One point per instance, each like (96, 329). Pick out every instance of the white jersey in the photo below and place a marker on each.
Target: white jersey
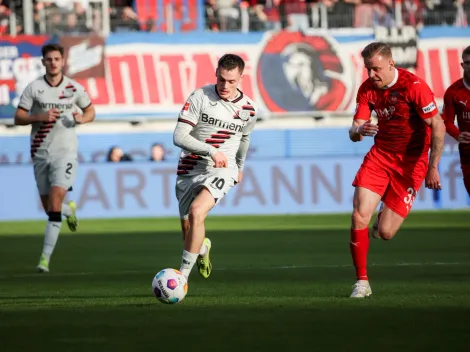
(218, 122)
(50, 140)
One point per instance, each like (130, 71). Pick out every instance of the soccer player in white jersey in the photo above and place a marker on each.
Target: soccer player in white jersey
(213, 131)
(49, 104)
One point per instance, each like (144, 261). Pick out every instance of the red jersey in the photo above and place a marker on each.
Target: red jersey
(457, 103)
(401, 109)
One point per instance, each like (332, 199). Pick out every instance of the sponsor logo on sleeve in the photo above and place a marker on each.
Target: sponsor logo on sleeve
(186, 107)
(428, 108)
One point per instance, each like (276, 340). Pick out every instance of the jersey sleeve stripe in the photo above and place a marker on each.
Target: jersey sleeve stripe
(22, 108)
(186, 121)
(86, 107)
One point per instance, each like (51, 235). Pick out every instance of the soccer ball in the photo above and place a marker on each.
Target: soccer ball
(169, 286)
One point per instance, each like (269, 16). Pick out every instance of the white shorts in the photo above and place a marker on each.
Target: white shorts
(59, 172)
(217, 181)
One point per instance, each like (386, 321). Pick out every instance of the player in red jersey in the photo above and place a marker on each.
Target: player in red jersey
(457, 102)
(409, 125)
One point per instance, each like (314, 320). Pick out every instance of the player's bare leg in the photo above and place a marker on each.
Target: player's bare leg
(364, 204)
(374, 231)
(185, 228)
(195, 237)
(54, 207)
(389, 223)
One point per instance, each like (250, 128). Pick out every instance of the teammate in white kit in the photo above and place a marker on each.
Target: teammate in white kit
(49, 104)
(213, 131)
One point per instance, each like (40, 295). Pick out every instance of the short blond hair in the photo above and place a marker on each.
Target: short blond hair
(375, 48)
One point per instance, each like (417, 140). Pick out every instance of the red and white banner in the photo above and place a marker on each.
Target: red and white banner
(285, 72)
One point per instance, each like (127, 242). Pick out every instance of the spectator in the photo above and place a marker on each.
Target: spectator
(412, 13)
(73, 27)
(127, 21)
(384, 13)
(212, 15)
(115, 155)
(229, 15)
(4, 13)
(157, 152)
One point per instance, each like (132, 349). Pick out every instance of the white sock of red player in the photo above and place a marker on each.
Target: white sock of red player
(187, 262)
(50, 238)
(66, 210)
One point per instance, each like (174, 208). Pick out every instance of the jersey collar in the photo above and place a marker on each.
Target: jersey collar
(49, 83)
(395, 79)
(237, 99)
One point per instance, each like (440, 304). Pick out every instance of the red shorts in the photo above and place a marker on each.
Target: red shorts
(466, 176)
(396, 178)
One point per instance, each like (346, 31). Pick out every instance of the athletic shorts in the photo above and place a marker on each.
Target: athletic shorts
(217, 181)
(466, 176)
(59, 172)
(396, 178)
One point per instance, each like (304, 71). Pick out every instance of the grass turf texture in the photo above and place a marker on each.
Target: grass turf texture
(279, 284)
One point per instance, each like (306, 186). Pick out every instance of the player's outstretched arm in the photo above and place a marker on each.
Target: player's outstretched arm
(438, 132)
(362, 128)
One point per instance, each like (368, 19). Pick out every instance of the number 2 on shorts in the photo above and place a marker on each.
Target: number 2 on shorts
(68, 169)
(218, 183)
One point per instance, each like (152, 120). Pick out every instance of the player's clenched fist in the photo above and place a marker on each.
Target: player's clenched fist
(51, 116)
(220, 160)
(367, 129)
(78, 117)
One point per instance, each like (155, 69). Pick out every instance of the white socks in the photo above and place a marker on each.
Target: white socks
(50, 238)
(66, 210)
(187, 263)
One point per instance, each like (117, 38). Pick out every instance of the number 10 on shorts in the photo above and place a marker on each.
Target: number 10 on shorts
(218, 183)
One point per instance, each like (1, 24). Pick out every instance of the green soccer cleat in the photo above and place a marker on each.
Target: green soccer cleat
(72, 220)
(43, 266)
(203, 262)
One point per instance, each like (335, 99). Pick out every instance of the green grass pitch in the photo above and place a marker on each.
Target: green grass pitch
(280, 283)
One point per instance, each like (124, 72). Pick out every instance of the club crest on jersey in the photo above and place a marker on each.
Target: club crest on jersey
(300, 72)
(68, 92)
(393, 97)
(243, 115)
(247, 112)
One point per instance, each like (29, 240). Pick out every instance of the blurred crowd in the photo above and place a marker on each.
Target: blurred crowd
(227, 15)
(69, 17)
